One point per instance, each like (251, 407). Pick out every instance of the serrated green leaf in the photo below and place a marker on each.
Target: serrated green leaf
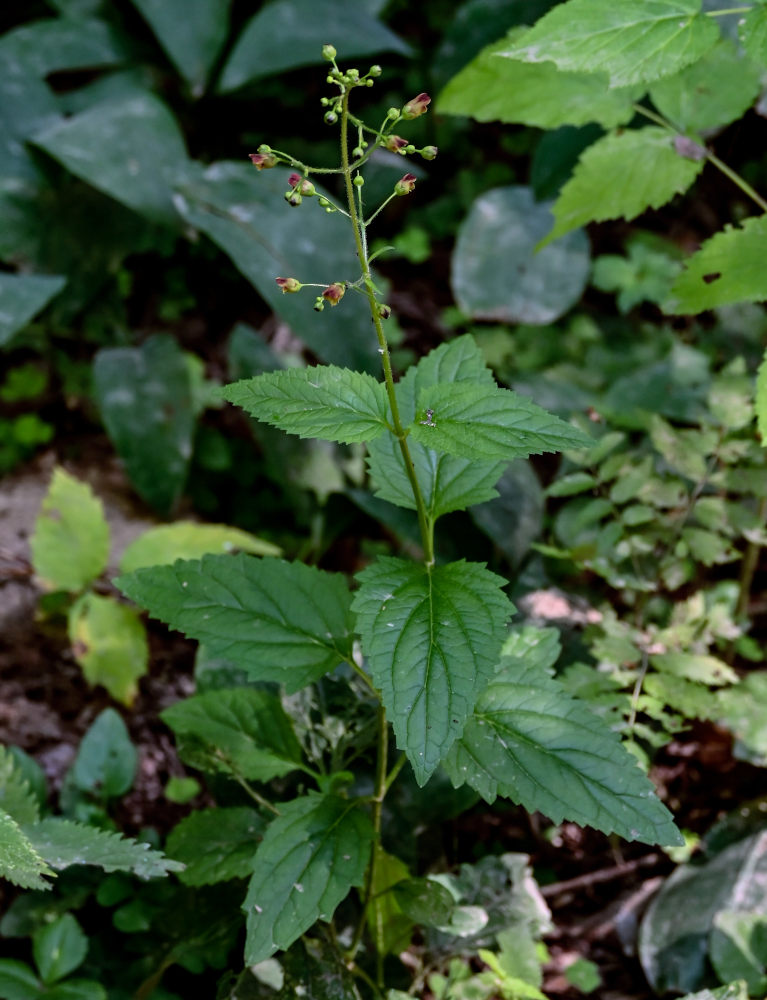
(334, 404)
(488, 422)
(497, 271)
(311, 855)
(447, 483)
(110, 644)
(61, 842)
(146, 402)
(216, 844)
(59, 948)
(22, 296)
(530, 741)
(752, 31)
(16, 797)
(432, 638)
(709, 94)
(192, 35)
(728, 268)
(634, 41)
(280, 621)
(246, 729)
(70, 544)
(131, 148)
(166, 543)
(645, 171)
(20, 862)
(291, 33)
(538, 94)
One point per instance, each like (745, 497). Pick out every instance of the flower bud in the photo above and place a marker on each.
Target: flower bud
(330, 118)
(293, 198)
(405, 184)
(302, 185)
(329, 53)
(416, 107)
(428, 152)
(358, 181)
(392, 113)
(288, 285)
(334, 293)
(262, 161)
(375, 70)
(395, 143)
(384, 311)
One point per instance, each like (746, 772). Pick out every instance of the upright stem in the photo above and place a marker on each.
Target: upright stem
(424, 522)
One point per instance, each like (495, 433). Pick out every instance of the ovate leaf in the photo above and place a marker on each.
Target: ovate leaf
(334, 404)
(634, 41)
(752, 29)
(216, 844)
(496, 271)
(110, 644)
(311, 855)
(389, 927)
(238, 728)
(645, 171)
(447, 483)
(146, 402)
(192, 35)
(491, 88)
(291, 33)
(529, 741)
(188, 540)
(432, 637)
(61, 843)
(18, 981)
(488, 422)
(739, 948)
(20, 862)
(728, 268)
(59, 948)
(70, 544)
(56, 44)
(22, 296)
(280, 621)
(106, 761)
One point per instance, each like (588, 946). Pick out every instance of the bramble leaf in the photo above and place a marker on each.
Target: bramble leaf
(240, 728)
(538, 94)
(530, 741)
(20, 863)
(645, 171)
(432, 637)
(311, 855)
(70, 545)
(61, 842)
(728, 268)
(488, 422)
(327, 402)
(280, 621)
(634, 41)
(447, 483)
(216, 844)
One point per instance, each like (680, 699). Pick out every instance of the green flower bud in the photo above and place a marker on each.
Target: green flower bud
(330, 118)
(329, 53)
(428, 152)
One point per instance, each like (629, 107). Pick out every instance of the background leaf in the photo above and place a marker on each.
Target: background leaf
(727, 268)
(106, 759)
(635, 41)
(290, 33)
(240, 728)
(496, 273)
(55, 44)
(110, 644)
(431, 639)
(192, 35)
(514, 519)
(59, 948)
(645, 171)
(530, 741)
(70, 544)
(311, 855)
(216, 844)
(279, 621)
(22, 296)
(145, 398)
(166, 543)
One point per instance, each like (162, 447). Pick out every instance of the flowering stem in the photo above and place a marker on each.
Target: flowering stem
(424, 522)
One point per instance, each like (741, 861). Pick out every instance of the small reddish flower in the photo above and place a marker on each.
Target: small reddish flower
(395, 143)
(416, 107)
(405, 184)
(289, 284)
(334, 293)
(301, 184)
(262, 161)
(384, 311)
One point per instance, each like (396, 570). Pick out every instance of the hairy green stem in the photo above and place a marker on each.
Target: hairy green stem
(712, 158)
(424, 522)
